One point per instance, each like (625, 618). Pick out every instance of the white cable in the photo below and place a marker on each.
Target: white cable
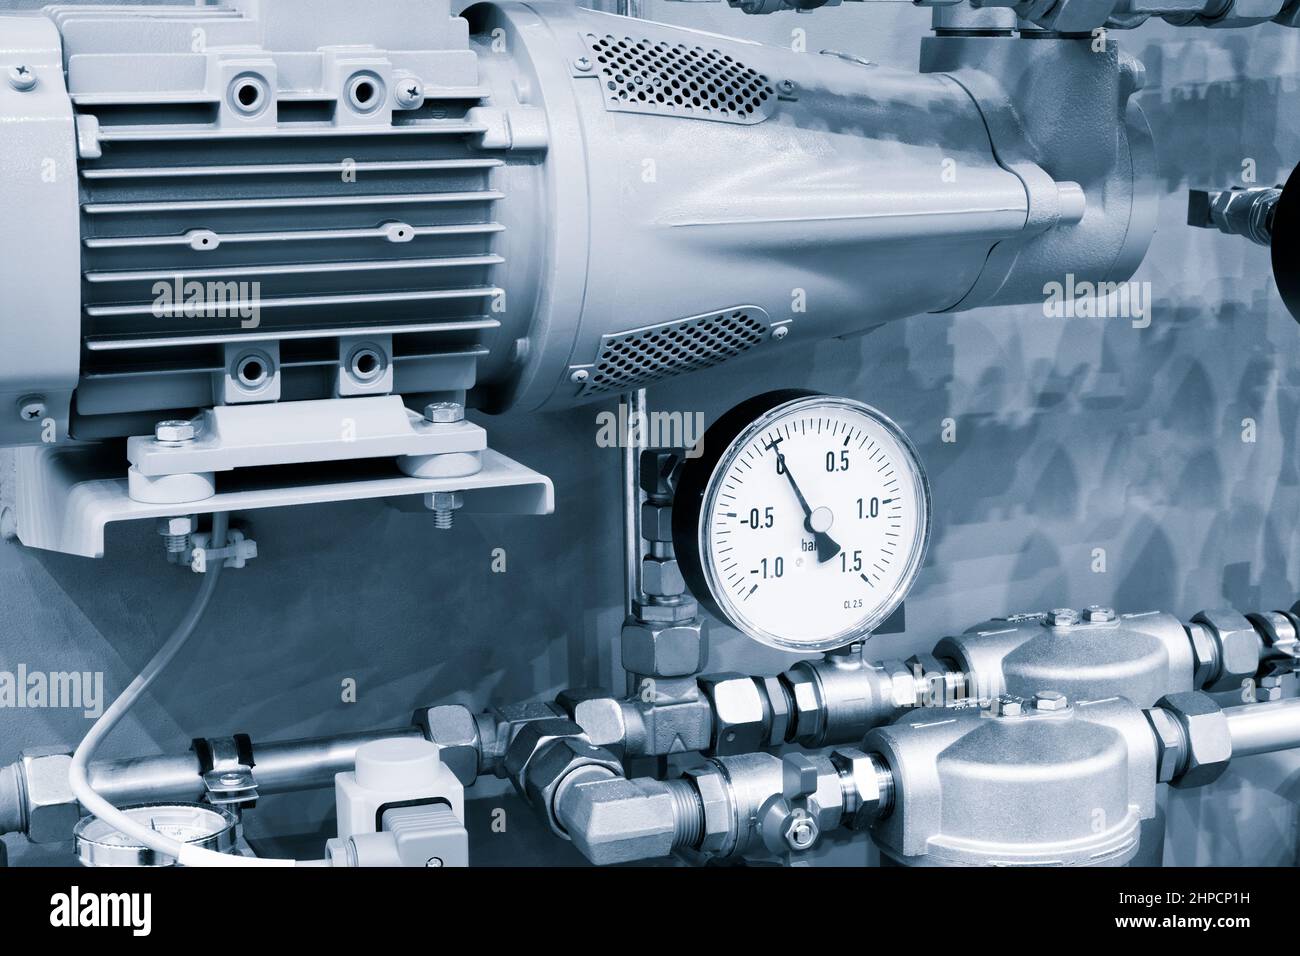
(91, 801)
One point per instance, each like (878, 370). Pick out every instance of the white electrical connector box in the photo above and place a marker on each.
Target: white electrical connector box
(400, 807)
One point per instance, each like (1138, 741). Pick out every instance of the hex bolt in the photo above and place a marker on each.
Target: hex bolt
(32, 409)
(445, 504)
(582, 63)
(444, 413)
(410, 93)
(1062, 617)
(1010, 706)
(1050, 700)
(801, 833)
(174, 432)
(1098, 614)
(176, 534)
(22, 78)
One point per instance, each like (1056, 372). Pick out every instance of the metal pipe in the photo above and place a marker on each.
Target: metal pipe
(633, 442)
(1264, 728)
(281, 767)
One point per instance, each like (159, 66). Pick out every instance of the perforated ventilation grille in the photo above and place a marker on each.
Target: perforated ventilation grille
(644, 76)
(633, 359)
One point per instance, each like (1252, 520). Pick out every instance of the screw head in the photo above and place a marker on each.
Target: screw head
(174, 431)
(32, 409)
(444, 413)
(433, 861)
(1051, 700)
(582, 63)
(21, 77)
(1062, 617)
(780, 332)
(580, 376)
(410, 93)
(1097, 614)
(786, 87)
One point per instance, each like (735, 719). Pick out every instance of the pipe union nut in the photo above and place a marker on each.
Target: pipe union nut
(455, 730)
(1169, 743)
(859, 771)
(529, 741)
(560, 764)
(1238, 647)
(1207, 737)
(52, 810)
(665, 649)
(739, 717)
(719, 827)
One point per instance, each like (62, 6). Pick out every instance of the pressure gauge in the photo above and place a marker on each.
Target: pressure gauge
(99, 843)
(805, 520)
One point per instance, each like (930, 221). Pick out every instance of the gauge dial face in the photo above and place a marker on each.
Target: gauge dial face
(814, 524)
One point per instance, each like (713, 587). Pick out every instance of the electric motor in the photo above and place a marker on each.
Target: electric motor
(530, 204)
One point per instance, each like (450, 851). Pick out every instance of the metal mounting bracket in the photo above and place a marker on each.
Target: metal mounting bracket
(68, 494)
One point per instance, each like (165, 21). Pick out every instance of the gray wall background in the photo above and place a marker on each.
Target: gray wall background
(1072, 435)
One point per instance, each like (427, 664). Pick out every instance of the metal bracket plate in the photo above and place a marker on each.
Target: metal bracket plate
(68, 494)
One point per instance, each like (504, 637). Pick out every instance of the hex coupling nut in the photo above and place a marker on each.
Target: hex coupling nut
(1238, 646)
(1205, 748)
(868, 786)
(741, 722)
(562, 764)
(51, 809)
(455, 730)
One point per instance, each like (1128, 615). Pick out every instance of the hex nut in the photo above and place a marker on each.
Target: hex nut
(1097, 614)
(615, 820)
(1169, 743)
(657, 522)
(455, 730)
(719, 825)
(662, 577)
(1062, 617)
(562, 763)
(1238, 647)
(779, 706)
(1205, 654)
(529, 741)
(52, 810)
(447, 500)
(178, 525)
(1208, 740)
(739, 717)
(809, 709)
(1050, 701)
(444, 413)
(801, 832)
(858, 769)
(665, 650)
(174, 431)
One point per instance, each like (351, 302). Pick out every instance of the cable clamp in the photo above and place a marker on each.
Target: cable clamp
(239, 550)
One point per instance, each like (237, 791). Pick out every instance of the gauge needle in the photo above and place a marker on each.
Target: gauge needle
(826, 546)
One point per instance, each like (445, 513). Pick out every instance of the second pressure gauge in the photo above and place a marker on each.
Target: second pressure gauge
(805, 520)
